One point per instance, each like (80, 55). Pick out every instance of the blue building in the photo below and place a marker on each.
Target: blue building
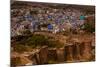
(50, 27)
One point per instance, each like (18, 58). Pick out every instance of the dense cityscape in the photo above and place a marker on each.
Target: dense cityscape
(50, 33)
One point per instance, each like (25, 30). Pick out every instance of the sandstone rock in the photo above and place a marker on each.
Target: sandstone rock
(86, 50)
(52, 54)
(60, 55)
(68, 51)
(43, 55)
(76, 51)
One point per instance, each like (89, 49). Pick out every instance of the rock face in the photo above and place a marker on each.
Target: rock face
(72, 52)
(86, 50)
(60, 55)
(76, 51)
(52, 54)
(43, 55)
(20, 60)
(34, 58)
(68, 52)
